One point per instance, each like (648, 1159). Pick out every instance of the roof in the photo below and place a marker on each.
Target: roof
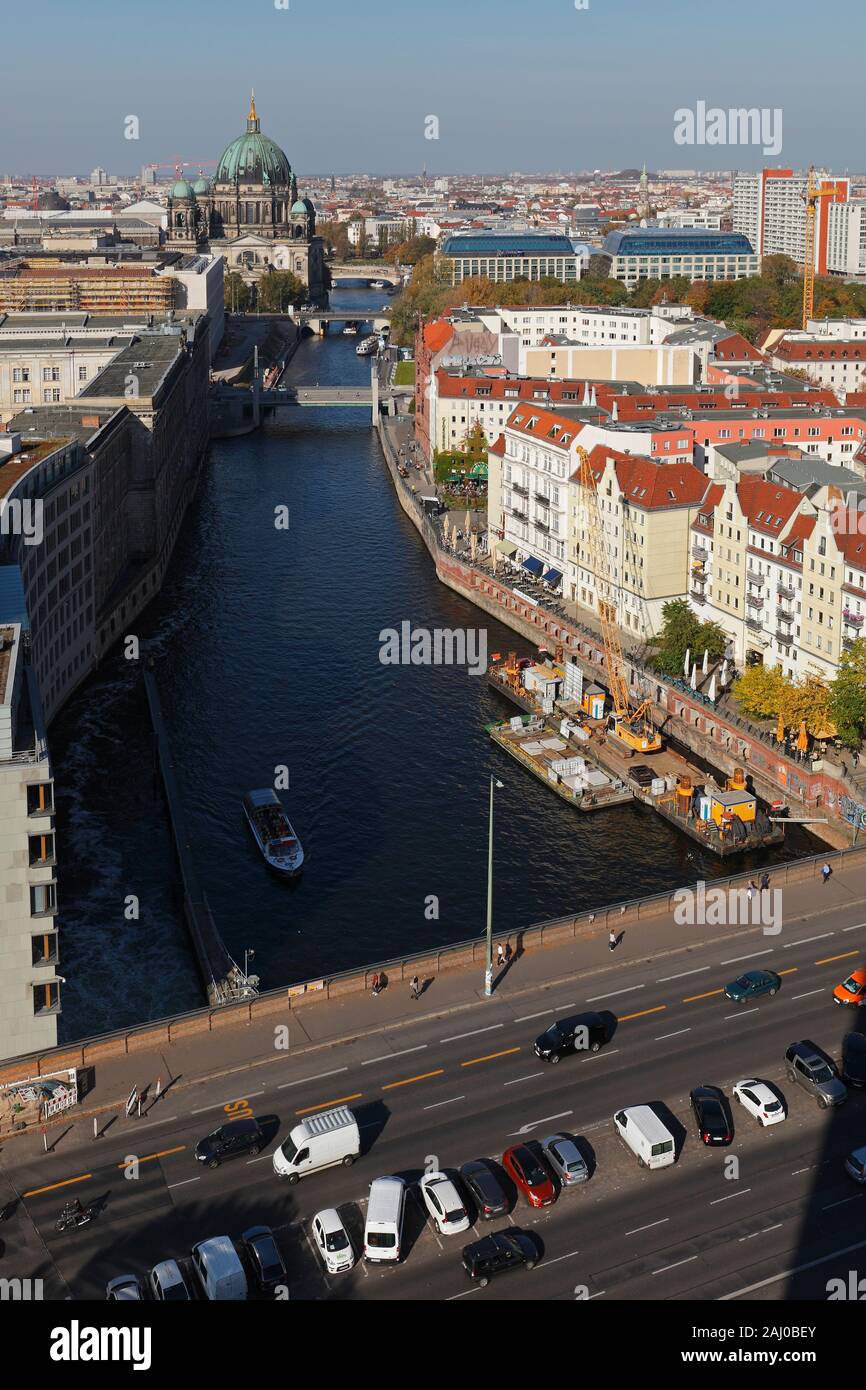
(647, 483)
(556, 429)
(766, 506)
(508, 244)
(825, 350)
(437, 335)
(664, 241)
(148, 360)
(736, 348)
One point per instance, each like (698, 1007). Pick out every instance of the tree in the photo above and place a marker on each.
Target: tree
(848, 695)
(683, 630)
(236, 293)
(809, 700)
(761, 691)
(278, 289)
(336, 237)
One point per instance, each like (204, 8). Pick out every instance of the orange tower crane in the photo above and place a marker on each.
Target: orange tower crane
(810, 198)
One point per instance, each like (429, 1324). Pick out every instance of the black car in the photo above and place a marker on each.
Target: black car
(493, 1254)
(854, 1059)
(263, 1258)
(710, 1110)
(582, 1033)
(231, 1140)
(484, 1188)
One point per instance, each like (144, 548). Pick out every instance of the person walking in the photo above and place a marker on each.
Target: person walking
(750, 891)
(500, 956)
(377, 984)
(765, 882)
(508, 952)
(826, 871)
(611, 939)
(414, 988)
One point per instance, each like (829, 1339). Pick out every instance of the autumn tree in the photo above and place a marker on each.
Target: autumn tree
(761, 691)
(848, 695)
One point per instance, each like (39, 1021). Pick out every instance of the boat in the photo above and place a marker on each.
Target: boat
(378, 284)
(367, 345)
(273, 832)
(351, 328)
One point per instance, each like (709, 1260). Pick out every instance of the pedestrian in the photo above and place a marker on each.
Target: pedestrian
(414, 987)
(826, 871)
(508, 952)
(500, 956)
(751, 889)
(611, 940)
(765, 882)
(377, 984)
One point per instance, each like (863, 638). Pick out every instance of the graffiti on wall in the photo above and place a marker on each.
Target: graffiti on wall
(853, 812)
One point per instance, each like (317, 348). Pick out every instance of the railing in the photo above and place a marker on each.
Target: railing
(542, 498)
(786, 590)
(756, 600)
(852, 619)
(700, 552)
(698, 595)
(785, 638)
(786, 615)
(520, 489)
(755, 578)
(754, 623)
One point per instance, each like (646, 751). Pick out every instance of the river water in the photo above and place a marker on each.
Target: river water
(267, 645)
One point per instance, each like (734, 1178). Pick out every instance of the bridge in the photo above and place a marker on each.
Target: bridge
(239, 409)
(319, 395)
(318, 319)
(356, 270)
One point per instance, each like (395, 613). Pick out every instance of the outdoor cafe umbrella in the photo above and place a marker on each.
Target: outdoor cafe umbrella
(802, 738)
(706, 661)
(694, 679)
(723, 674)
(780, 729)
(687, 662)
(711, 693)
(467, 525)
(445, 531)
(473, 545)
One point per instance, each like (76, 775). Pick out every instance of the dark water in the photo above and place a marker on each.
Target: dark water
(268, 654)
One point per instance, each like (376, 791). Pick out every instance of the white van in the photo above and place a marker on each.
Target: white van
(320, 1141)
(649, 1140)
(219, 1270)
(384, 1230)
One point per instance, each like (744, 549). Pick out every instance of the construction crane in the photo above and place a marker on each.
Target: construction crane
(633, 727)
(810, 198)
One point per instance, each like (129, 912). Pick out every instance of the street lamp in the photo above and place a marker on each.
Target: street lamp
(248, 956)
(488, 970)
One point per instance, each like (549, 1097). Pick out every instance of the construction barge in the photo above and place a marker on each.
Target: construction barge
(568, 742)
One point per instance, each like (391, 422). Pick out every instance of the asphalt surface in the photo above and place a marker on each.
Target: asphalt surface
(446, 1090)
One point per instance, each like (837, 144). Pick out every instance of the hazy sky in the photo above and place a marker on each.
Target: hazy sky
(346, 85)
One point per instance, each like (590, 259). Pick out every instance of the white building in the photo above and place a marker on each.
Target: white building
(691, 217)
(846, 238)
(661, 253)
(769, 209)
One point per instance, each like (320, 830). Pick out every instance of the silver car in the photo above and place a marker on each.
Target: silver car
(812, 1069)
(564, 1160)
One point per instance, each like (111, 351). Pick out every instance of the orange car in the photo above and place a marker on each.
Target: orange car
(852, 990)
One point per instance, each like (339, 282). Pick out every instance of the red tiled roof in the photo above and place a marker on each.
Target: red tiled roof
(498, 447)
(437, 334)
(556, 430)
(766, 506)
(827, 350)
(736, 348)
(647, 483)
(497, 387)
(801, 529)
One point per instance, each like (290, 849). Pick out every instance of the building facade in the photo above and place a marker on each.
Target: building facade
(659, 253)
(504, 256)
(769, 208)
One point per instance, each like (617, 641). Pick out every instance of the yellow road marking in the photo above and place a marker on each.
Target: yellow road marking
(657, 1010)
(844, 956)
(491, 1056)
(52, 1187)
(422, 1076)
(323, 1104)
(709, 994)
(792, 970)
(146, 1158)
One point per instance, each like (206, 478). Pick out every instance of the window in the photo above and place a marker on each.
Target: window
(44, 948)
(46, 998)
(41, 849)
(43, 899)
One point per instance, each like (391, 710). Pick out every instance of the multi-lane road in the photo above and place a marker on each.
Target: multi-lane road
(444, 1090)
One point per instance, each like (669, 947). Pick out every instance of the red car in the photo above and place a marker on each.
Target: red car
(529, 1176)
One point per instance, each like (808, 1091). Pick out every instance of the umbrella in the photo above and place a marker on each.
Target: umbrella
(802, 738)
(467, 525)
(706, 661)
(723, 675)
(780, 729)
(473, 544)
(694, 680)
(712, 690)
(687, 663)
(446, 531)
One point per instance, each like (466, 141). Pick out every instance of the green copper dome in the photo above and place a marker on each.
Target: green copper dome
(300, 206)
(253, 158)
(201, 185)
(181, 189)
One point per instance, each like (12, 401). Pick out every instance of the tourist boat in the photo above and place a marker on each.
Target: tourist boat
(367, 345)
(351, 328)
(273, 832)
(378, 284)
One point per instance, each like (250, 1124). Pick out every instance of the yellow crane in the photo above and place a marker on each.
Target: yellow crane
(811, 198)
(633, 727)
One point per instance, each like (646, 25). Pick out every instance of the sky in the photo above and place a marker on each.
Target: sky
(351, 85)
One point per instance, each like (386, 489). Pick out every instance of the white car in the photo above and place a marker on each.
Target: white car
(760, 1101)
(332, 1241)
(444, 1204)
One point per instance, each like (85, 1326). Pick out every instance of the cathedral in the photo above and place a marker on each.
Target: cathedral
(250, 213)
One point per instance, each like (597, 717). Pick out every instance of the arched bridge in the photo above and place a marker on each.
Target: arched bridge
(357, 270)
(318, 319)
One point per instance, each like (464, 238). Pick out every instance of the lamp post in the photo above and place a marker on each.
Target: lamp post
(488, 970)
(248, 956)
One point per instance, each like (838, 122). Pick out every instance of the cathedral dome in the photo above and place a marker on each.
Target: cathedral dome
(181, 189)
(253, 158)
(201, 186)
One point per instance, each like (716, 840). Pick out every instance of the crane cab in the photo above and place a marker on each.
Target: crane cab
(642, 738)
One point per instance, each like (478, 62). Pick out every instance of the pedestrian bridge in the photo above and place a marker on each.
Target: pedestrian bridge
(356, 270)
(319, 319)
(319, 395)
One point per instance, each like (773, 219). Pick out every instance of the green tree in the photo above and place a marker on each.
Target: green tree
(278, 290)
(236, 293)
(762, 691)
(681, 631)
(848, 695)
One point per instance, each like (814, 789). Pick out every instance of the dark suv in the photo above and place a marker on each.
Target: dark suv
(231, 1140)
(582, 1033)
(812, 1069)
(493, 1254)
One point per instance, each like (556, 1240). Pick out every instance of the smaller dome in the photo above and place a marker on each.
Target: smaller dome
(181, 189)
(300, 206)
(201, 185)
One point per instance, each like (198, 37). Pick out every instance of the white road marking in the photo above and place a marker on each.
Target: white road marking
(371, 1060)
(437, 1104)
(320, 1075)
(259, 1159)
(664, 1269)
(526, 1017)
(221, 1104)
(533, 1124)
(661, 1037)
(732, 960)
(454, 1296)
(530, 1077)
(681, 976)
(475, 1031)
(570, 1256)
(742, 1192)
(764, 1232)
(856, 926)
(804, 940)
(796, 1269)
(601, 1293)
(605, 1052)
(182, 1184)
(807, 994)
(637, 1230)
(741, 1012)
(614, 992)
(844, 1202)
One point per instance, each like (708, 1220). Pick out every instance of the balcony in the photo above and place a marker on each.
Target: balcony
(543, 498)
(699, 577)
(852, 619)
(756, 600)
(847, 643)
(754, 623)
(785, 591)
(785, 615)
(518, 512)
(520, 489)
(541, 524)
(755, 578)
(698, 595)
(785, 639)
(700, 552)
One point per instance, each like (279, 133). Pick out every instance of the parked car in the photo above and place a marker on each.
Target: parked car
(496, 1253)
(333, 1241)
(855, 1165)
(528, 1176)
(236, 1139)
(852, 990)
(126, 1288)
(854, 1059)
(752, 985)
(760, 1101)
(444, 1204)
(708, 1105)
(167, 1284)
(565, 1160)
(484, 1188)
(581, 1033)
(264, 1260)
(219, 1271)
(816, 1073)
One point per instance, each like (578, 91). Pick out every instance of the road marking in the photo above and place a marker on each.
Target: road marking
(807, 994)
(741, 1193)
(796, 1269)
(742, 1012)
(530, 1077)
(664, 1269)
(387, 1058)
(570, 1256)
(629, 989)
(533, 1124)
(791, 970)
(320, 1076)
(661, 1037)
(844, 956)
(659, 1009)
(605, 1051)
(221, 1104)
(437, 1104)
(52, 1187)
(856, 926)
(766, 1230)
(408, 1080)
(473, 1034)
(146, 1158)
(601, 1293)
(664, 978)
(261, 1158)
(709, 994)
(326, 1104)
(805, 940)
(637, 1230)
(844, 1202)
(491, 1057)
(170, 1185)
(526, 1017)
(454, 1296)
(732, 960)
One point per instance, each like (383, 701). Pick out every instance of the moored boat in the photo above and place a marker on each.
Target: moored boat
(273, 832)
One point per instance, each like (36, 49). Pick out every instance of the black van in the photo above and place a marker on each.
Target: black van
(231, 1140)
(582, 1033)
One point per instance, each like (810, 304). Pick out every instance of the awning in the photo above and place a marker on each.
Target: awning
(506, 548)
(532, 565)
(553, 576)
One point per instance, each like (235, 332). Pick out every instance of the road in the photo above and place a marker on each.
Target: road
(448, 1089)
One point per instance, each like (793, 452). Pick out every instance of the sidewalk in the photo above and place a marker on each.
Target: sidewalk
(235, 1047)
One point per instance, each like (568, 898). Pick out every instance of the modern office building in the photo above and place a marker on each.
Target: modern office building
(659, 253)
(769, 209)
(503, 256)
(846, 238)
